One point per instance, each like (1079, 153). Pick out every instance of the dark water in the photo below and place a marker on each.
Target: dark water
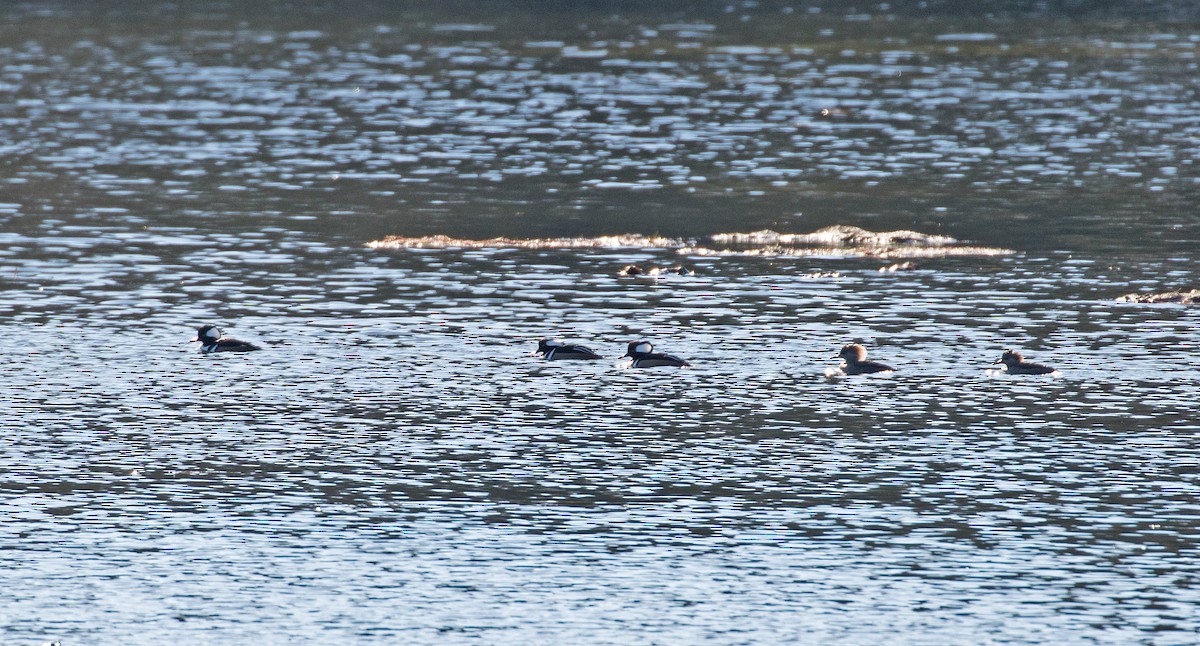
(395, 467)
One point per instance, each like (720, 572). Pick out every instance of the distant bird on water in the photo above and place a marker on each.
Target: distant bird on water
(211, 340)
(854, 361)
(643, 356)
(1015, 364)
(553, 350)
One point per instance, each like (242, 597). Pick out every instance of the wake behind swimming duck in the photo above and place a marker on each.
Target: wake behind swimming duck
(211, 340)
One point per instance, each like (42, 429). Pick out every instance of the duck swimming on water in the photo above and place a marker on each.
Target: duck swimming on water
(552, 350)
(854, 361)
(644, 356)
(211, 340)
(1015, 364)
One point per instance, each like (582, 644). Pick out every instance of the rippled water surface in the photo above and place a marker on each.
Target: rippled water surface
(395, 467)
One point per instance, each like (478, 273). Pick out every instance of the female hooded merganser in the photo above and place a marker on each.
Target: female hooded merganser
(644, 356)
(854, 361)
(553, 350)
(211, 340)
(1015, 364)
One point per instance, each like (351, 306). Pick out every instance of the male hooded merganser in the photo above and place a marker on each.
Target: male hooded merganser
(553, 350)
(644, 356)
(1015, 364)
(854, 361)
(211, 340)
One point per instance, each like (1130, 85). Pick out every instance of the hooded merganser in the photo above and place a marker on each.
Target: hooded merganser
(553, 350)
(854, 361)
(644, 356)
(1015, 364)
(211, 340)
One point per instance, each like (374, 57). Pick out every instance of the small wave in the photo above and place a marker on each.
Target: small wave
(631, 271)
(888, 253)
(966, 38)
(838, 235)
(900, 266)
(843, 240)
(1187, 298)
(839, 240)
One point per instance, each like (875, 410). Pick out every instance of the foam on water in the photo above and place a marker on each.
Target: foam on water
(836, 236)
(837, 240)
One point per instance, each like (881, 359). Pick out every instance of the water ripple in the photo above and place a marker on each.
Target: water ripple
(395, 466)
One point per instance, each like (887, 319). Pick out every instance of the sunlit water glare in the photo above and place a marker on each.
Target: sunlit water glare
(394, 466)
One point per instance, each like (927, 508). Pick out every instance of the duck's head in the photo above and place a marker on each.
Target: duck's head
(207, 334)
(853, 352)
(1010, 358)
(639, 348)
